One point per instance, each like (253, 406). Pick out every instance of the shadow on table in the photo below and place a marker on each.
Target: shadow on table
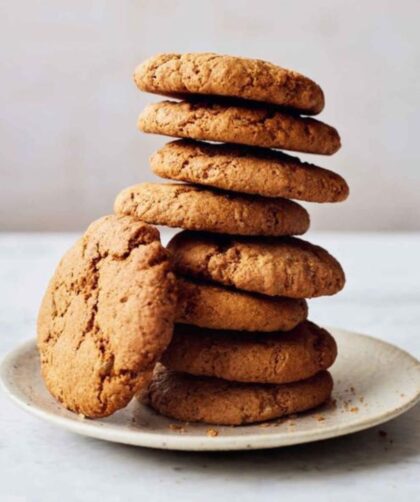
(395, 442)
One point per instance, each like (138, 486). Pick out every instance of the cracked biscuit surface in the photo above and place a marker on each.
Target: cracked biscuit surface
(220, 75)
(106, 316)
(196, 208)
(213, 306)
(230, 123)
(215, 401)
(248, 170)
(280, 357)
(283, 266)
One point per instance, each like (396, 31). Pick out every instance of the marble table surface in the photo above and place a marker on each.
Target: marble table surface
(40, 462)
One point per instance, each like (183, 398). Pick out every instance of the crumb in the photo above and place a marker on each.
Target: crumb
(264, 425)
(382, 433)
(352, 389)
(212, 433)
(291, 423)
(354, 409)
(362, 399)
(81, 416)
(332, 403)
(402, 395)
(176, 427)
(319, 418)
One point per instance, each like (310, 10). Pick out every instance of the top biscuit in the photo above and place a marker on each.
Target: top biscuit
(218, 75)
(107, 316)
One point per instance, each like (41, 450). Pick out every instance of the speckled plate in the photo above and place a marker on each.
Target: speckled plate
(374, 382)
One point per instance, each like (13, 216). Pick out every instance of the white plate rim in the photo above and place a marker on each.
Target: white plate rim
(113, 433)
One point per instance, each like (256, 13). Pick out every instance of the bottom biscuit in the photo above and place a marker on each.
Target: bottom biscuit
(215, 401)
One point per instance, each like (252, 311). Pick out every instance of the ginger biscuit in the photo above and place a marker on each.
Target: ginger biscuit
(231, 123)
(196, 208)
(219, 75)
(213, 306)
(267, 173)
(215, 401)
(106, 316)
(272, 266)
(280, 357)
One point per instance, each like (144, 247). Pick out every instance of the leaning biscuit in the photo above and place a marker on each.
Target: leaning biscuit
(195, 208)
(272, 266)
(280, 357)
(247, 170)
(106, 316)
(219, 75)
(214, 401)
(231, 123)
(212, 306)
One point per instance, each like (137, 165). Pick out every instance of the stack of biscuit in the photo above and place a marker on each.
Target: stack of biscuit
(242, 350)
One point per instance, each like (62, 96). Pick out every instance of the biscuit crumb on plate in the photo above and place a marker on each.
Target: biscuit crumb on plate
(176, 427)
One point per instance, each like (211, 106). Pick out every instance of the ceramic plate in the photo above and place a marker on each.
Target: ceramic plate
(374, 382)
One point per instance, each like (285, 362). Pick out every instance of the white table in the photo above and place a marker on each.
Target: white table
(39, 462)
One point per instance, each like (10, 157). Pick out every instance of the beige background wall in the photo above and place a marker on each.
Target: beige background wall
(68, 108)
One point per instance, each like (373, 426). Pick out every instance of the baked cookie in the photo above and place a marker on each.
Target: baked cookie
(215, 401)
(277, 267)
(106, 316)
(195, 208)
(218, 75)
(248, 170)
(232, 123)
(280, 357)
(213, 306)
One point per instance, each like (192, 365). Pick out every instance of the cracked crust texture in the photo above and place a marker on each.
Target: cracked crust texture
(218, 75)
(215, 401)
(277, 267)
(248, 170)
(106, 316)
(213, 306)
(231, 123)
(280, 357)
(196, 208)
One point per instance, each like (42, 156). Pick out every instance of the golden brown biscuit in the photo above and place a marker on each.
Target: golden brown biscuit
(195, 208)
(213, 306)
(279, 357)
(219, 75)
(278, 267)
(214, 401)
(106, 316)
(231, 123)
(248, 170)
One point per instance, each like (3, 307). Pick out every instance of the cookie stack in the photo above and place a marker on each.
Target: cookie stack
(242, 349)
